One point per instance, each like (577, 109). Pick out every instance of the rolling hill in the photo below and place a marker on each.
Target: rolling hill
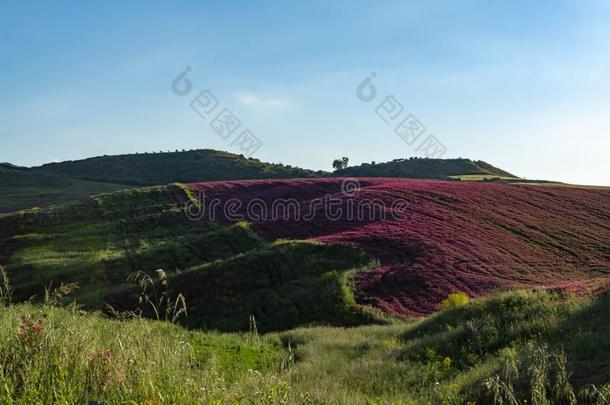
(418, 168)
(270, 257)
(101, 243)
(211, 165)
(148, 169)
(22, 188)
(62, 182)
(469, 237)
(56, 183)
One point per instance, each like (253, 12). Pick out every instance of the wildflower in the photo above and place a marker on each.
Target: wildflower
(29, 333)
(38, 327)
(104, 356)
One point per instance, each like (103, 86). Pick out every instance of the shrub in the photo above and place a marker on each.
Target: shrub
(455, 300)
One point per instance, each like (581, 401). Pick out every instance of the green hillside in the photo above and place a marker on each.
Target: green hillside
(425, 169)
(22, 188)
(315, 344)
(226, 273)
(149, 169)
(209, 165)
(55, 183)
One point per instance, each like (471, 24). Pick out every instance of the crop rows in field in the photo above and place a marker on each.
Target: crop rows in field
(454, 236)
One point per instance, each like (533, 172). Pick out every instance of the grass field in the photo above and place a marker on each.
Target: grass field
(519, 347)
(456, 237)
(481, 177)
(225, 272)
(302, 332)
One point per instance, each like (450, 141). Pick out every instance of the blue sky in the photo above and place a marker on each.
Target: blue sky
(520, 84)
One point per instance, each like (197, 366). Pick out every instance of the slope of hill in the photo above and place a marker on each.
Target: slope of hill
(210, 165)
(425, 169)
(515, 347)
(443, 237)
(227, 273)
(62, 182)
(54, 183)
(150, 169)
(22, 188)
(454, 236)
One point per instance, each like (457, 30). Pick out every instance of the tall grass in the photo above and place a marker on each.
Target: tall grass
(55, 355)
(6, 291)
(526, 352)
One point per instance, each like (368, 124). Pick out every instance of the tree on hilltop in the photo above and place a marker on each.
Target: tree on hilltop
(340, 164)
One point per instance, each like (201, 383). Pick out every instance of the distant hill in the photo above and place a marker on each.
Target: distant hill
(210, 165)
(21, 187)
(426, 169)
(162, 168)
(11, 175)
(53, 183)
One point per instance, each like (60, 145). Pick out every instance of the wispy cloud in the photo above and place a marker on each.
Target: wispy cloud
(254, 100)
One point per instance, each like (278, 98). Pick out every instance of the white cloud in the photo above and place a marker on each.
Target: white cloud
(253, 100)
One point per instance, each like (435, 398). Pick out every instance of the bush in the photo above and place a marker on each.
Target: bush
(455, 300)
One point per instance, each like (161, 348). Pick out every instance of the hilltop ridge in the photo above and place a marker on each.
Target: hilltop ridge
(61, 182)
(423, 168)
(148, 169)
